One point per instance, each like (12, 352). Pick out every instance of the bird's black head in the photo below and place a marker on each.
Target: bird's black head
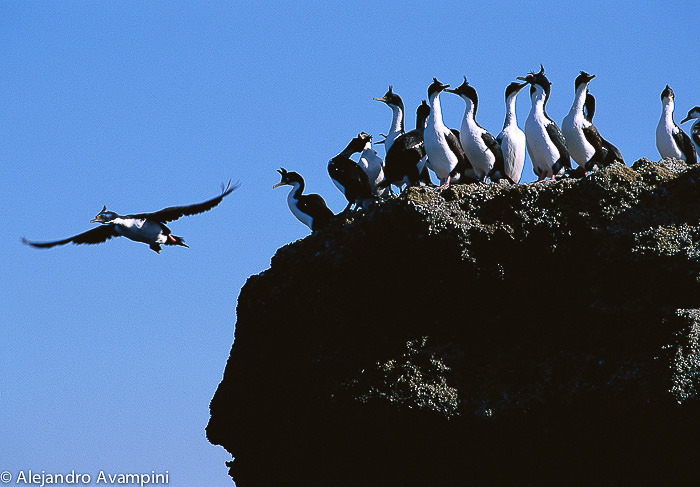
(436, 87)
(537, 79)
(667, 93)
(582, 78)
(692, 113)
(514, 88)
(104, 216)
(288, 178)
(391, 98)
(423, 110)
(465, 90)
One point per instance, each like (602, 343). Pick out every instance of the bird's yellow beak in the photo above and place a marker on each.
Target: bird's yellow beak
(278, 185)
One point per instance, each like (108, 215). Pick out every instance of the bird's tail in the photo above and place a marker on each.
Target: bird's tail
(175, 240)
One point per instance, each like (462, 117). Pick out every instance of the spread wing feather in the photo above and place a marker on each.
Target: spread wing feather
(93, 236)
(174, 212)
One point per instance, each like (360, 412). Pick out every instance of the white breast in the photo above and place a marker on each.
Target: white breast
(481, 158)
(664, 139)
(371, 164)
(140, 230)
(543, 153)
(513, 147)
(580, 149)
(441, 160)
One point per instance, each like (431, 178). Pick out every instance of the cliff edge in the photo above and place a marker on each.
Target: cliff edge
(541, 334)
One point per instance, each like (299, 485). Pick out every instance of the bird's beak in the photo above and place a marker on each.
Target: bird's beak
(450, 90)
(380, 99)
(96, 220)
(278, 185)
(685, 119)
(522, 78)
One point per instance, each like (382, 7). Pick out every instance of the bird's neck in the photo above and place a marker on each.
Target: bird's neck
(579, 100)
(397, 123)
(667, 113)
(539, 99)
(510, 111)
(469, 111)
(297, 190)
(435, 109)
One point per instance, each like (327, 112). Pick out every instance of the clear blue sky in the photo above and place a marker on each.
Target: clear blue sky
(109, 354)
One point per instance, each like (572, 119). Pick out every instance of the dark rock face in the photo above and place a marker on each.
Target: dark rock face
(542, 334)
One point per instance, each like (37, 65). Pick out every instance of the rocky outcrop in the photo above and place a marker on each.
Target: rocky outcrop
(541, 334)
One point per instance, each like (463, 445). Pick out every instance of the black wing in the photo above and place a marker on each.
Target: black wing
(351, 177)
(464, 166)
(315, 206)
(492, 144)
(593, 137)
(560, 143)
(589, 107)
(686, 146)
(403, 156)
(174, 212)
(613, 154)
(94, 236)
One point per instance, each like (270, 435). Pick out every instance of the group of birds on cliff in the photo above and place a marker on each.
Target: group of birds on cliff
(472, 154)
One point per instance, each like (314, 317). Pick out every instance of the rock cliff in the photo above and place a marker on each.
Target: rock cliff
(541, 334)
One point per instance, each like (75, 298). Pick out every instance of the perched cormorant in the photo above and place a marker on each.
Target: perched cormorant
(671, 141)
(585, 144)
(479, 145)
(405, 161)
(446, 158)
(545, 143)
(310, 209)
(349, 177)
(140, 227)
(511, 138)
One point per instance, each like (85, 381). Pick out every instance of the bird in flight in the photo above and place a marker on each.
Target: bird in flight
(148, 228)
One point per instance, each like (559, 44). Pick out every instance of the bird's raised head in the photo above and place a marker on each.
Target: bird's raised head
(466, 91)
(104, 216)
(288, 178)
(514, 88)
(537, 79)
(391, 98)
(435, 88)
(667, 94)
(583, 78)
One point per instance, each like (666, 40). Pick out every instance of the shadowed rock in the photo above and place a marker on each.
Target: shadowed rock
(541, 334)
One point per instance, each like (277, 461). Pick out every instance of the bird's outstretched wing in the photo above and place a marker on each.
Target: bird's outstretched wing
(94, 236)
(174, 212)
